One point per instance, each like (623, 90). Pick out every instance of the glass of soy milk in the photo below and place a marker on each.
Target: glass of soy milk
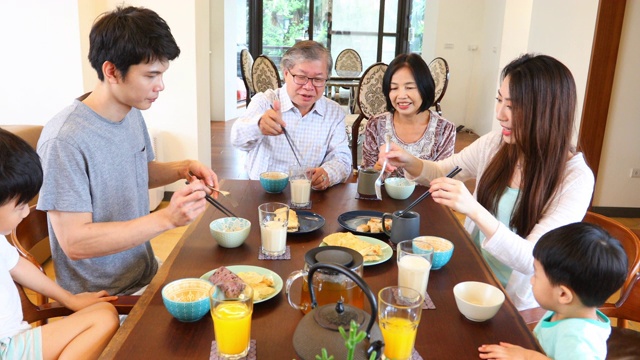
(300, 180)
(414, 264)
(274, 218)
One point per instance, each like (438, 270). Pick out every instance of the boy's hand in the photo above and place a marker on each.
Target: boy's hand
(508, 351)
(82, 300)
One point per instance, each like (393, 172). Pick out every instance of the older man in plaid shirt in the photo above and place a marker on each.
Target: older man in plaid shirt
(314, 123)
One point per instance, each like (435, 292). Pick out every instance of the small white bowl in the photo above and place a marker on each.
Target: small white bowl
(478, 301)
(399, 188)
(230, 232)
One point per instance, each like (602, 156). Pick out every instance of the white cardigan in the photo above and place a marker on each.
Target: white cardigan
(568, 205)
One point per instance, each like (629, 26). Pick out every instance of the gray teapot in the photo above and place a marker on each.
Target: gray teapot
(319, 328)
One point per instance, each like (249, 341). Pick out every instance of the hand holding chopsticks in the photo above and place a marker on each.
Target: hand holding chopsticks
(276, 107)
(218, 205)
(451, 174)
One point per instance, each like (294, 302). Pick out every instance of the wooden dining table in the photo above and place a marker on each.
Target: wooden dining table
(150, 332)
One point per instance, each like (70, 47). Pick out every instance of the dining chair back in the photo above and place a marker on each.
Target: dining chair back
(28, 238)
(264, 74)
(623, 343)
(246, 62)
(371, 101)
(440, 72)
(348, 63)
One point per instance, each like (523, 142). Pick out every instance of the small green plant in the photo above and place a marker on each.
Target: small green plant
(351, 340)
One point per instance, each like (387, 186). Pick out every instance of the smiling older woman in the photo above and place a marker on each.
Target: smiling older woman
(410, 91)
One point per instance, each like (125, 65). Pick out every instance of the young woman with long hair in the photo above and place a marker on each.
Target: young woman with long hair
(529, 178)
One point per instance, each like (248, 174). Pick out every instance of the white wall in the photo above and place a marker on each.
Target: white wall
(40, 60)
(48, 59)
(451, 26)
(223, 60)
(564, 30)
(621, 148)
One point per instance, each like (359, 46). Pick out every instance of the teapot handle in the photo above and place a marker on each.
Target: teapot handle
(355, 278)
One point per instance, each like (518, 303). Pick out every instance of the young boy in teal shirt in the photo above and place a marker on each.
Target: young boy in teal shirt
(577, 267)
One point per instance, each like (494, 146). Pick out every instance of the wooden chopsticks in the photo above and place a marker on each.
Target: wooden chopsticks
(218, 205)
(451, 174)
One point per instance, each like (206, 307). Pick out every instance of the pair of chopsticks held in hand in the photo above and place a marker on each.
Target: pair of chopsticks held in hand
(214, 202)
(292, 145)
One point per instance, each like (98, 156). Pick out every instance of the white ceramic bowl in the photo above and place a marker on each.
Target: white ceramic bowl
(399, 188)
(230, 232)
(187, 299)
(478, 301)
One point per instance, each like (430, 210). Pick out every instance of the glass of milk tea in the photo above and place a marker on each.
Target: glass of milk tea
(300, 181)
(274, 218)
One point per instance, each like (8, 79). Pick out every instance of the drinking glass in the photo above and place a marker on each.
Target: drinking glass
(231, 312)
(414, 264)
(300, 179)
(273, 218)
(399, 311)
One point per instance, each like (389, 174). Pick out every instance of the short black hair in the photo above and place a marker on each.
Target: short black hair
(585, 258)
(130, 36)
(20, 169)
(421, 73)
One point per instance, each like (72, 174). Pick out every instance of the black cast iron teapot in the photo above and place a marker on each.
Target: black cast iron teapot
(319, 328)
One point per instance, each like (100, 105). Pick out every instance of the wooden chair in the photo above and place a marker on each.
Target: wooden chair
(264, 74)
(440, 72)
(29, 238)
(623, 343)
(246, 63)
(348, 63)
(371, 102)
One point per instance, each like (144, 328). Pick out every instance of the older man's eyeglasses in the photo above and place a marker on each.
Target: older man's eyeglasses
(303, 80)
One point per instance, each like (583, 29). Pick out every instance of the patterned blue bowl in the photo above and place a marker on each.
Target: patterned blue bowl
(230, 232)
(187, 299)
(442, 250)
(274, 181)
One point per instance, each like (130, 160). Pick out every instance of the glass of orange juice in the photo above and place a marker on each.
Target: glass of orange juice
(399, 311)
(231, 309)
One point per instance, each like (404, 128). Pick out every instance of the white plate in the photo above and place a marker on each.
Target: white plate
(277, 280)
(387, 251)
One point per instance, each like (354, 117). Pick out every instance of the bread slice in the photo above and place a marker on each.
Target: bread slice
(292, 224)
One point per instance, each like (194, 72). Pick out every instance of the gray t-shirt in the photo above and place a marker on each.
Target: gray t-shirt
(94, 165)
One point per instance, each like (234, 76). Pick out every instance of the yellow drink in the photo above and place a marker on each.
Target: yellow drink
(232, 327)
(399, 335)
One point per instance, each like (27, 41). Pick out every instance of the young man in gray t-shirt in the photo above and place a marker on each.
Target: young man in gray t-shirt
(98, 162)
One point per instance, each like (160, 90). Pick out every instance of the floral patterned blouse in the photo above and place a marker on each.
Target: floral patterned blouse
(436, 143)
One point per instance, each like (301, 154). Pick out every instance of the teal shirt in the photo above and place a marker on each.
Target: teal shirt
(505, 210)
(575, 338)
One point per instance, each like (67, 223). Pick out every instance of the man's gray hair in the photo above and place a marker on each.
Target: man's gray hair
(305, 51)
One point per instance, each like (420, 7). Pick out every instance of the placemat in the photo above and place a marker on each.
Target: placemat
(297, 207)
(285, 256)
(428, 303)
(366, 197)
(414, 356)
(251, 355)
